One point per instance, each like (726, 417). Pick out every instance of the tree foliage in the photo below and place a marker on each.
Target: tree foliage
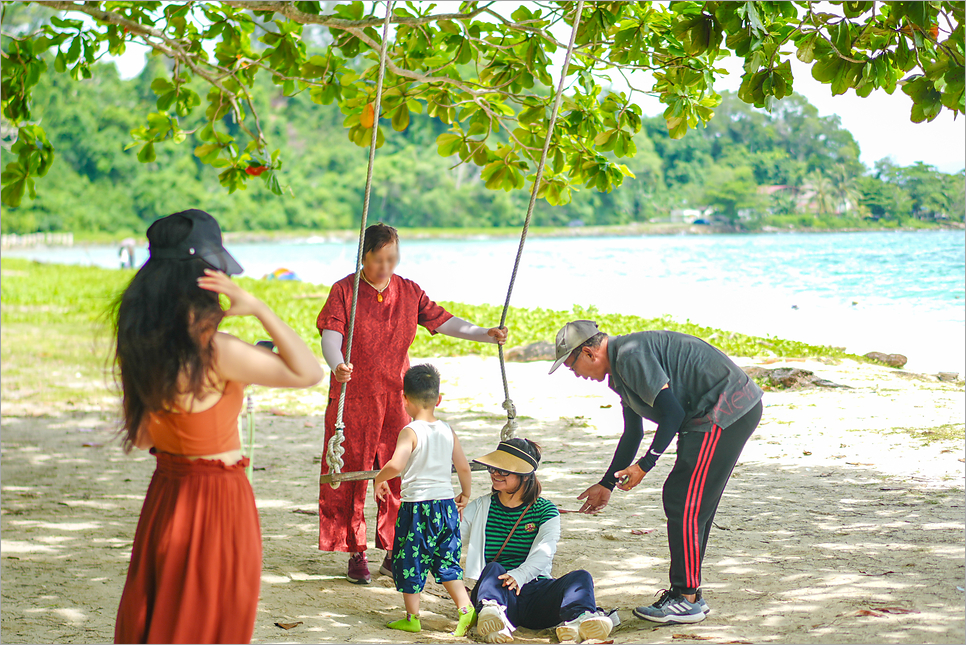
(483, 71)
(98, 186)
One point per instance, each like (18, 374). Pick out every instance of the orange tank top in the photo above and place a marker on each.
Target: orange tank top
(207, 432)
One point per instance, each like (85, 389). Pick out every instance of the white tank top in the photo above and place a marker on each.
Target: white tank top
(428, 474)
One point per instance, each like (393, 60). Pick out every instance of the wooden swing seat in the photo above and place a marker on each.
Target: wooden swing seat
(363, 475)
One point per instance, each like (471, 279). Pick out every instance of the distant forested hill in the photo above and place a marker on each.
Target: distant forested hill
(747, 166)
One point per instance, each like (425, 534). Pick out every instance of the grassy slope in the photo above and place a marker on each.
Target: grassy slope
(56, 328)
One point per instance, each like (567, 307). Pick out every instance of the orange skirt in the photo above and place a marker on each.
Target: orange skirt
(197, 558)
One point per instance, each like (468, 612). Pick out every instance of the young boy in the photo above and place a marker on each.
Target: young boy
(427, 528)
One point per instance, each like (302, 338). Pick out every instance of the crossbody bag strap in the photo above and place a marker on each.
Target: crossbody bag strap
(510, 534)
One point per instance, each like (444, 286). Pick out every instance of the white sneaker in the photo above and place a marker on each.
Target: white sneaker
(597, 626)
(502, 636)
(568, 632)
(589, 625)
(492, 624)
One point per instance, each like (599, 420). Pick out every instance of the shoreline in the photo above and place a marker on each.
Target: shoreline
(778, 338)
(508, 232)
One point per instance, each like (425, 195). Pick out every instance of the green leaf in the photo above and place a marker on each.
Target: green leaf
(400, 120)
(15, 184)
(146, 154)
(806, 49)
(603, 139)
(854, 9)
(448, 144)
(448, 26)
(162, 85)
(842, 38)
(677, 127)
(826, 69)
(73, 52)
(66, 24)
(208, 152)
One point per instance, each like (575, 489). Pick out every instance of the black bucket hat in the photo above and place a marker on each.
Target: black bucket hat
(204, 241)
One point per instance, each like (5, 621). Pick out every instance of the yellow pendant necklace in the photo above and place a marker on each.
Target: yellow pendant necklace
(378, 290)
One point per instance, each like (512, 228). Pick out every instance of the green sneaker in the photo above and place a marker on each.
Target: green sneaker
(467, 618)
(409, 624)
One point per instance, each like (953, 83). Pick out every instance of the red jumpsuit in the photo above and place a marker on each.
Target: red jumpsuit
(374, 412)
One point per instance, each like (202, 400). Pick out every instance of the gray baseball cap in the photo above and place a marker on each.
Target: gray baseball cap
(570, 337)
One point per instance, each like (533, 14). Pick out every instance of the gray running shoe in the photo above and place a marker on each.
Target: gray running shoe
(671, 608)
(700, 602)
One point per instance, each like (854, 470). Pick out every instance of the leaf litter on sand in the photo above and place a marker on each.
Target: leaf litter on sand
(695, 637)
(879, 612)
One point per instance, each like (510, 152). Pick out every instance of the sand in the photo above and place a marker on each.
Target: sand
(834, 510)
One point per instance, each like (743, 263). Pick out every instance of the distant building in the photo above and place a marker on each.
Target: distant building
(805, 201)
(689, 215)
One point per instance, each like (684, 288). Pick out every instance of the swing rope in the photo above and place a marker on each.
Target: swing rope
(334, 451)
(509, 430)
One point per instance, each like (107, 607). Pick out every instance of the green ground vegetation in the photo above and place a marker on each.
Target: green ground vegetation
(55, 323)
(947, 432)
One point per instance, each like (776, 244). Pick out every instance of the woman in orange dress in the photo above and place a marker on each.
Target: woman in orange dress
(196, 563)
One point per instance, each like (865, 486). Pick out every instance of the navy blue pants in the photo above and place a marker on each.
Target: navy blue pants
(542, 603)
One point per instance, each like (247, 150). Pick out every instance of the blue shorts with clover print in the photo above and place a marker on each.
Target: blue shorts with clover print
(427, 539)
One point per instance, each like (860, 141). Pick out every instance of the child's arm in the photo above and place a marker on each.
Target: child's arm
(405, 444)
(463, 472)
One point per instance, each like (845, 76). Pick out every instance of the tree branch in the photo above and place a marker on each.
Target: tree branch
(288, 10)
(416, 76)
(170, 48)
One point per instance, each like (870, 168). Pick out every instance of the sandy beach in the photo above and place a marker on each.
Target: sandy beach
(843, 522)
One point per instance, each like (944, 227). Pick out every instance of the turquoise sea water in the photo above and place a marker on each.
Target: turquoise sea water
(896, 292)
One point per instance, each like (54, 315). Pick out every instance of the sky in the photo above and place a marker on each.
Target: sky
(880, 123)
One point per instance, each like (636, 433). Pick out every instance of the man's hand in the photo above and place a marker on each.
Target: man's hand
(595, 498)
(634, 476)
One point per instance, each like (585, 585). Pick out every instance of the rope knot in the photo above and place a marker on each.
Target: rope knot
(509, 430)
(511, 409)
(334, 452)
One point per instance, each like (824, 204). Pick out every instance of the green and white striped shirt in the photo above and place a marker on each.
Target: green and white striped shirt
(501, 519)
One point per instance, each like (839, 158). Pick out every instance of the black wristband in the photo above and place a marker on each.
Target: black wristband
(609, 485)
(643, 464)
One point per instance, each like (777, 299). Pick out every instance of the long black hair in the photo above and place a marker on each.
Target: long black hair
(529, 483)
(164, 325)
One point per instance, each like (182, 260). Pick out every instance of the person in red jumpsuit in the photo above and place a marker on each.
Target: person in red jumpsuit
(388, 310)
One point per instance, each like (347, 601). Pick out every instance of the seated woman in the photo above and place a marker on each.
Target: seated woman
(510, 537)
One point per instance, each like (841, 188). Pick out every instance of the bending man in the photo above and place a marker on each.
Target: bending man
(690, 389)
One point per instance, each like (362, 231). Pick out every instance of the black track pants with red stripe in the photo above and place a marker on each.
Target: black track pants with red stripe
(692, 492)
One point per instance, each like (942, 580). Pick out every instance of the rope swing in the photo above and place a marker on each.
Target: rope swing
(511, 427)
(334, 449)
